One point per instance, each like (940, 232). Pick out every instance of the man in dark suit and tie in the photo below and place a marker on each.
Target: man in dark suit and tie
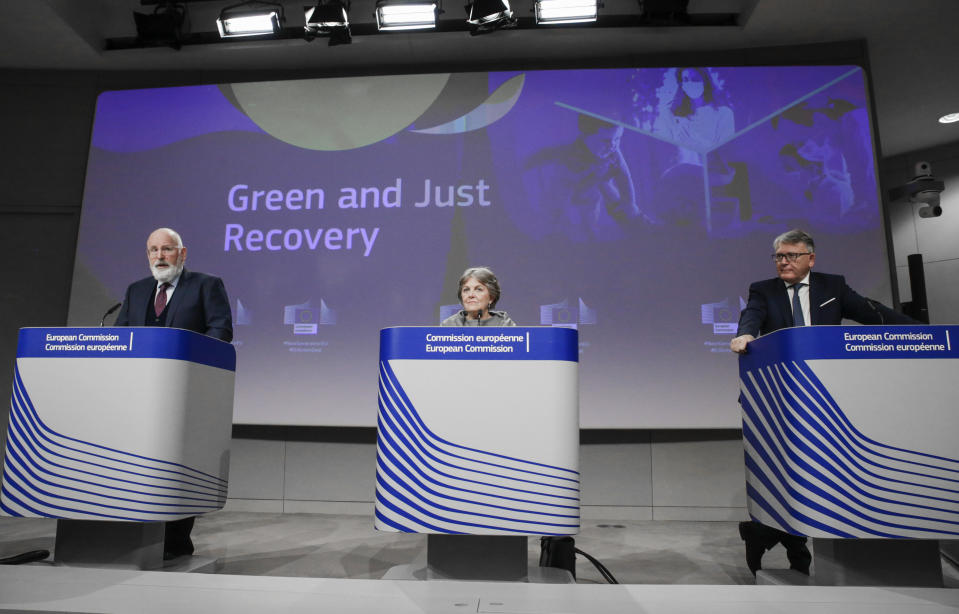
(797, 297)
(176, 298)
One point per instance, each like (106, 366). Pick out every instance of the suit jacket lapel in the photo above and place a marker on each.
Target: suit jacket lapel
(140, 301)
(818, 294)
(781, 296)
(815, 298)
(182, 287)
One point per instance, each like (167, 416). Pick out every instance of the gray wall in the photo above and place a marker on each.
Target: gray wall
(626, 475)
(44, 135)
(937, 239)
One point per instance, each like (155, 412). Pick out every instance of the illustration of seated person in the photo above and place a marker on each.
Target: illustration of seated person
(820, 176)
(584, 189)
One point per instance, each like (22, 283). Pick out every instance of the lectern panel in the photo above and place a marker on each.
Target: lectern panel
(848, 432)
(478, 431)
(125, 424)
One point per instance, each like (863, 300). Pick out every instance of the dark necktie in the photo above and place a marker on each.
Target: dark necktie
(798, 319)
(160, 303)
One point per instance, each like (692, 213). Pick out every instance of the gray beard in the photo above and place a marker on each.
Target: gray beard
(168, 274)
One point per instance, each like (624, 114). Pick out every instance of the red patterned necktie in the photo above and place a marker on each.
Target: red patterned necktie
(160, 303)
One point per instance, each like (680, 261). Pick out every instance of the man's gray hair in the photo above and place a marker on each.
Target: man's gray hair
(795, 236)
(172, 233)
(486, 277)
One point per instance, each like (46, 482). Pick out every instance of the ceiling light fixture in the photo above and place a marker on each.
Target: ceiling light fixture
(329, 18)
(549, 12)
(391, 15)
(166, 25)
(488, 15)
(252, 18)
(949, 118)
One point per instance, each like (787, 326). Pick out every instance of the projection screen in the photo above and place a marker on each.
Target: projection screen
(633, 204)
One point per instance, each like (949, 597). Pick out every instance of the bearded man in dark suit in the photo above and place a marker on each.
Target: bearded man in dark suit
(798, 297)
(176, 298)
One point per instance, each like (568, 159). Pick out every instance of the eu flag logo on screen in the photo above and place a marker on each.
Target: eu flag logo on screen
(723, 316)
(305, 318)
(562, 315)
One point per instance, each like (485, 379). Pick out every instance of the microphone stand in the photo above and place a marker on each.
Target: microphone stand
(108, 312)
(882, 319)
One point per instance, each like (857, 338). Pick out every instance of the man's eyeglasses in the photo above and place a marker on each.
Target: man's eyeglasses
(166, 250)
(790, 256)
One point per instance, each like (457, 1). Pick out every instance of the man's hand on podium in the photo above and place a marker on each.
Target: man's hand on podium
(738, 344)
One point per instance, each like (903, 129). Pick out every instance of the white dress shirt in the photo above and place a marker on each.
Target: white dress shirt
(169, 290)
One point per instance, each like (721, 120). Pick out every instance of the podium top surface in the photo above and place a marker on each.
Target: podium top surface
(853, 342)
(479, 343)
(126, 342)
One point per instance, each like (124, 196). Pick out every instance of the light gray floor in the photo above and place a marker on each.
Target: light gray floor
(48, 588)
(347, 546)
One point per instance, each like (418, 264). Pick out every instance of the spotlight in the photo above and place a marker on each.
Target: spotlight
(565, 11)
(252, 18)
(329, 18)
(166, 25)
(392, 15)
(487, 15)
(327, 14)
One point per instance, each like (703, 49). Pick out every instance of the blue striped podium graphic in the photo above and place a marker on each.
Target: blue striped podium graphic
(121, 424)
(478, 441)
(850, 432)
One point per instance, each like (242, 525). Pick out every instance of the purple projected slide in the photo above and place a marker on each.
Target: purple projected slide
(634, 204)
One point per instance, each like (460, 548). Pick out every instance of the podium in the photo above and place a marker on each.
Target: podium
(114, 430)
(478, 435)
(850, 437)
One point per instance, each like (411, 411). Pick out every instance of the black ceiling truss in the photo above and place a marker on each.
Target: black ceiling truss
(175, 14)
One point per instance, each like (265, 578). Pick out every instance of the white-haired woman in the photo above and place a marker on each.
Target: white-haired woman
(478, 292)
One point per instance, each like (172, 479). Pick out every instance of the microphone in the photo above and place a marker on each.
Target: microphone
(882, 319)
(108, 312)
